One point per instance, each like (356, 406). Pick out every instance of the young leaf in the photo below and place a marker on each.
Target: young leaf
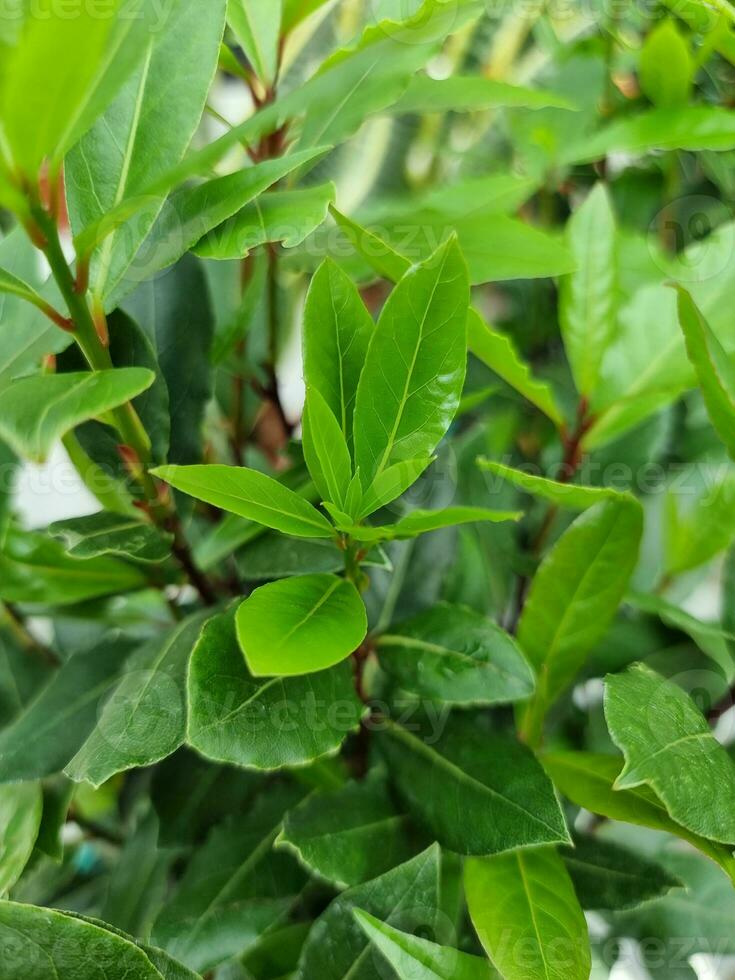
(666, 66)
(325, 449)
(21, 806)
(414, 958)
(573, 598)
(144, 719)
(588, 300)
(455, 655)
(256, 26)
(300, 625)
(470, 93)
(50, 945)
(715, 370)
(703, 530)
(411, 383)
(43, 738)
(235, 888)
(589, 780)
(421, 522)
(668, 745)
(608, 876)
(337, 332)
(36, 412)
(351, 834)
(287, 217)
(496, 783)
(112, 534)
(568, 495)
(526, 900)
(237, 719)
(338, 948)
(250, 494)
(142, 135)
(392, 483)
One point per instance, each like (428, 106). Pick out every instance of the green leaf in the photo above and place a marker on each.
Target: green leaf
(337, 332)
(703, 530)
(715, 370)
(696, 127)
(191, 213)
(338, 949)
(141, 136)
(422, 521)
(257, 26)
(411, 383)
(414, 958)
(589, 780)
(497, 351)
(250, 494)
(234, 889)
(325, 449)
(287, 217)
(503, 794)
(144, 718)
(470, 93)
(568, 495)
(526, 900)
(350, 834)
(273, 555)
(455, 655)
(294, 11)
(21, 806)
(668, 745)
(36, 569)
(588, 300)
(392, 483)
(51, 728)
(300, 625)
(36, 412)
(666, 66)
(14, 286)
(49, 945)
(608, 876)
(21, 677)
(112, 534)
(237, 719)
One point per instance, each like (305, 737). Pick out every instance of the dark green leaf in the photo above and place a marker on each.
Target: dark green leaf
(112, 534)
(21, 805)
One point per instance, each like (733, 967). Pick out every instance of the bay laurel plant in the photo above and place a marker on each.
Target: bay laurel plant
(423, 669)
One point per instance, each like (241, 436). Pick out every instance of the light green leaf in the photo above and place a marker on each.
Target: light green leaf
(351, 834)
(257, 26)
(526, 900)
(379, 255)
(392, 483)
(588, 300)
(144, 719)
(666, 66)
(338, 949)
(250, 494)
(337, 332)
(497, 785)
(668, 745)
(497, 351)
(235, 887)
(36, 412)
(191, 213)
(693, 127)
(411, 384)
(36, 569)
(48, 945)
(702, 529)
(54, 724)
(287, 217)
(422, 521)
(300, 625)
(112, 534)
(414, 958)
(294, 11)
(470, 93)
(140, 137)
(608, 876)
(569, 495)
(590, 781)
(573, 598)
(325, 449)
(14, 286)
(21, 806)
(237, 719)
(455, 655)
(715, 369)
